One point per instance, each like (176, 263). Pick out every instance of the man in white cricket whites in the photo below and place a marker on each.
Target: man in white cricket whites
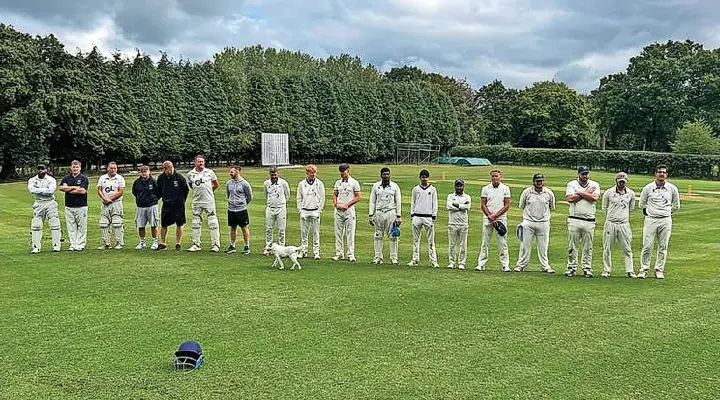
(239, 195)
(617, 202)
(458, 204)
(111, 188)
(495, 199)
(43, 186)
(659, 200)
(346, 193)
(203, 182)
(581, 194)
(277, 194)
(423, 212)
(385, 212)
(146, 192)
(75, 186)
(536, 202)
(310, 204)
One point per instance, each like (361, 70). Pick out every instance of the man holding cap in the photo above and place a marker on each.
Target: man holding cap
(617, 202)
(581, 194)
(385, 214)
(458, 204)
(43, 187)
(659, 200)
(345, 194)
(423, 212)
(536, 203)
(495, 199)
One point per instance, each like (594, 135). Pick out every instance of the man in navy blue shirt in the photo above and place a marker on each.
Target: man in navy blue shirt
(146, 193)
(173, 190)
(75, 186)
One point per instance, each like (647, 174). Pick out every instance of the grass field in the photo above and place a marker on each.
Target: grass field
(104, 324)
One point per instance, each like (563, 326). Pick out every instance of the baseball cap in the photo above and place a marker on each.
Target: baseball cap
(344, 167)
(538, 177)
(621, 176)
(459, 181)
(41, 167)
(583, 169)
(425, 173)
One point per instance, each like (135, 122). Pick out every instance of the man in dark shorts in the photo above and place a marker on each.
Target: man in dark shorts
(239, 194)
(174, 190)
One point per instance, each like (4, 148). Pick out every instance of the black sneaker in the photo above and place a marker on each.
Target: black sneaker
(177, 246)
(231, 249)
(246, 250)
(161, 247)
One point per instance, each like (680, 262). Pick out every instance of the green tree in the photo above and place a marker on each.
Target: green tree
(695, 138)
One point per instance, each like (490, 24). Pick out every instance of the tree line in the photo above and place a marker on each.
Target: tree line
(56, 106)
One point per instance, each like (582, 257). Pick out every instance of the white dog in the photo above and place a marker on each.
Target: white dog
(291, 252)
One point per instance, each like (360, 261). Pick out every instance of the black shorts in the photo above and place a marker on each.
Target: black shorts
(172, 214)
(240, 218)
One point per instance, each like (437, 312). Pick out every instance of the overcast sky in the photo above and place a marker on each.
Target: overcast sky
(516, 41)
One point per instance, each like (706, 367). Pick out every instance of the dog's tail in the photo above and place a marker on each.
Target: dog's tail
(302, 248)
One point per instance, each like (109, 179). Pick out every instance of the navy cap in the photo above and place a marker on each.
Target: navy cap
(459, 181)
(538, 177)
(583, 169)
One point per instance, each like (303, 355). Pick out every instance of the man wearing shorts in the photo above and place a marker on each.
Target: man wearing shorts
(145, 191)
(173, 190)
(239, 195)
(111, 188)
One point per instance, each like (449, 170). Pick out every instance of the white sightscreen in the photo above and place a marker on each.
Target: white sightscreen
(275, 149)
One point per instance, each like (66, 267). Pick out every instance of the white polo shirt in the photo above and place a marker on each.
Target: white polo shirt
(495, 200)
(582, 208)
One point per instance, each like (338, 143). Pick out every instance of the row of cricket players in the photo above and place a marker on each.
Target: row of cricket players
(659, 200)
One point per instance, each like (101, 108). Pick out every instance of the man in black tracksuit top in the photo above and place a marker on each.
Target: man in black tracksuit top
(146, 194)
(173, 190)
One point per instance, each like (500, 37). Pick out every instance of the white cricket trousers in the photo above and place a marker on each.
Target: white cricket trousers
(383, 224)
(76, 222)
(43, 210)
(488, 231)
(457, 235)
(212, 221)
(580, 233)
(418, 223)
(112, 215)
(622, 234)
(345, 223)
(655, 229)
(541, 232)
(310, 221)
(275, 217)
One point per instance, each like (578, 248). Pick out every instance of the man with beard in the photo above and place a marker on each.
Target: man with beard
(277, 194)
(310, 203)
(173, 190)
(239, 195)
(495, 199)
(43, 186)
(617, 202)
(458, 204)
(203, 182)
(581, 194)
(75, 186)
(146, 193)
(346, 194)
(659, 200)
(111, 188)
(385, 212)
(536, 203)
(423, 212)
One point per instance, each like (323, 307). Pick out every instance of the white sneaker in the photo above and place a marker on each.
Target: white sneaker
(140, 246)
(506, 269)
(194, 248)
(461, 267)
(412, 263)
(215, 249)
(336, 258)
(451, 266)
(71, 248)
(435, 265)
(351, 259)
(631, 274)
(154, 246)
(548, 270)
(118, 247)
(56, 249)
(103, 247)
(479, 268)
(519, 269)
(605, 274)
(34, 251)
(377, 261)
(642, 274)
(317, 256)
(659, 274)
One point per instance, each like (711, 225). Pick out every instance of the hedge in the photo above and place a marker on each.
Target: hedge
(633, 162)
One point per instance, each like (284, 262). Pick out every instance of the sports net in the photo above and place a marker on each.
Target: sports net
(417, 153)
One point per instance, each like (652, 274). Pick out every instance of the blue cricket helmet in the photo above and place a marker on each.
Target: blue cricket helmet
(188, 356)
(395, 231)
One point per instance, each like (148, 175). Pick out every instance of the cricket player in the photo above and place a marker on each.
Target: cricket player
(423, 212)
(75, 186)
(659, 200)
(582, 194)
(495, 204)
(203, 182)
(536, 203)
(458, 205)
(617, 202)
(43, 187)
(310, 204)
(145, 190)
(385, 213)
(277, 194)
(173, 190)
(346, 193)
(111, 188)
(239, 195)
